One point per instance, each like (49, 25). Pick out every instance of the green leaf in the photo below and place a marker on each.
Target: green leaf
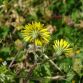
(5, 49)
(70, 76)
(20, 56)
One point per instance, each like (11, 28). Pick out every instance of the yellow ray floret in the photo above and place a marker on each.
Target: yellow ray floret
(36, 33)
(62, 46)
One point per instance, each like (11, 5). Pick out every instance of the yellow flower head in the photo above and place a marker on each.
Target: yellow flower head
(73, 81)
(1, 60)
(62, 46)
(36, 33)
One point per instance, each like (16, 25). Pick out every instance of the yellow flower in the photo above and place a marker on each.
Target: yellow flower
(77, 51)
(1, 60)
(18, 44)
(62, 47)
(36, 33)
(73, 81)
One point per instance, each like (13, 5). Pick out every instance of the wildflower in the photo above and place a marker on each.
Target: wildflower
(1, 60)
(73, 81)
(18, 44)
(62, 47)
(36, 33)
(4, 63)
(77, 51)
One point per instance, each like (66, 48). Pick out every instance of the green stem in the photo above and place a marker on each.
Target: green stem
(35, 55)
(52, 63)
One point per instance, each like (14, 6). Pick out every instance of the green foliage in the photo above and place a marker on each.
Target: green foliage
(6, 75)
